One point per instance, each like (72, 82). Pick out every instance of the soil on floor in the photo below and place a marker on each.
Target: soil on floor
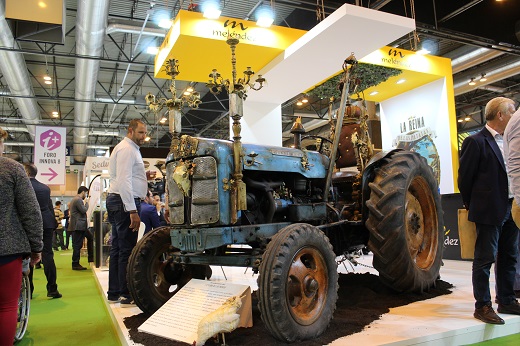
(362, 299)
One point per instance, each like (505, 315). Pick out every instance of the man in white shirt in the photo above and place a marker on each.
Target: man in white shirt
(128, 186)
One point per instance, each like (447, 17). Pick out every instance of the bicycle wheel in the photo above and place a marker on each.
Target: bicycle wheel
(24, 307)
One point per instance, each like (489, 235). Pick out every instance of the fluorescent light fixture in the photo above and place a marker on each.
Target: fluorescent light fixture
(467, 118)
(374, 93)
(483, 78)
(47, 77)
(472, 81)
(152, 50)
(400, 81)
(299, 103)
(48, 82)
(264, 16)
(211, 10)
(165, 23)
(55, 114)
(102, 152)
(460, 120)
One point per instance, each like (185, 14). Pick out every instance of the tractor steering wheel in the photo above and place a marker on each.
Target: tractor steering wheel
(320, 146)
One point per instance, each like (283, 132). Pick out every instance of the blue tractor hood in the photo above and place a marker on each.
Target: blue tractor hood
(310, 164)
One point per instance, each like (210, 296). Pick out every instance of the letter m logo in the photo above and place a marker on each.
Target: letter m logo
(234, 24)
(395, 53)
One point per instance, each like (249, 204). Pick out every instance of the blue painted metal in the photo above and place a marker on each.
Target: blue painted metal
(200, 239)
(280, 159)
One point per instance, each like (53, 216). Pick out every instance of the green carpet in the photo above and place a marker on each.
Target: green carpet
(78, 318)
(510, 340)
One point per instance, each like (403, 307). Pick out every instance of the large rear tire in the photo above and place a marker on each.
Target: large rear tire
(405, 223)
(152, 276)
(298, 283)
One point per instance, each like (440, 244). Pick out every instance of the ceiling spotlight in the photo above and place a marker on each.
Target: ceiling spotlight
(147, 139)
(189, 89)
(374, 93)
(165, 23)
(305, 100)
(460, 120)
(47, 77)
(472, 81)
(152, 50)
(265, 16)
(187, 93)
(467, 118)
(400, 81)
(211, 10)
(55, 114)
(48, 82)
(299, 103)
(483, 78)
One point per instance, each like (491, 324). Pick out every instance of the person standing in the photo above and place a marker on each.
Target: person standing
(78, 224)
(159, 205)
(148, 213)
(43, 195)
(21, 231)
(58, 233)
(512, 156)
(68, 233)
(483, 184)
(128, 186)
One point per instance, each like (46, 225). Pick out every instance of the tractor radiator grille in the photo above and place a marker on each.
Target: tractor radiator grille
(203, 193)
(204, 199)
(175, 197)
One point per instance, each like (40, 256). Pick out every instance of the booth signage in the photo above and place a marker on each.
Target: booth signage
(49, 154)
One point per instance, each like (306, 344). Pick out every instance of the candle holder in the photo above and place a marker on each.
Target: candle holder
(176, 102)
(237, 91)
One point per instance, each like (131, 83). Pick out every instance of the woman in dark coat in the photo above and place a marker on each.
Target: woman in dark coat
(21, 233)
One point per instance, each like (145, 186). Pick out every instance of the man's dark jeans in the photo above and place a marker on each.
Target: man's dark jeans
(493, 240)
(77, 244)
(123, 242)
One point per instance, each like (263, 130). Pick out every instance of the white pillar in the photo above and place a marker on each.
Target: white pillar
(261, 123)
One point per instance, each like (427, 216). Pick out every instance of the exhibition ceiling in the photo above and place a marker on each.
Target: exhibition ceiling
(102, 72)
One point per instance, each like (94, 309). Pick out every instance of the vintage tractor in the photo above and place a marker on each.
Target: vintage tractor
(289, 213)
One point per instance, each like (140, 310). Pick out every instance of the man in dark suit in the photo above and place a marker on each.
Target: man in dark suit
(43, 195)
(484, 187)
(78, 224)
(148, 213)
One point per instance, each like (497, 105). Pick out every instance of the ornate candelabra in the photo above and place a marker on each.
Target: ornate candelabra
(174, 104)
(237, 91)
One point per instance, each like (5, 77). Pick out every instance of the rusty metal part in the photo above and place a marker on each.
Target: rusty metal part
(307, 285)
(421, 216)
(185, 146)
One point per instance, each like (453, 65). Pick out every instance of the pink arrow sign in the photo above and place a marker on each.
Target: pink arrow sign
(53, 174)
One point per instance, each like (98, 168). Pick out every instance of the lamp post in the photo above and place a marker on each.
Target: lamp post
(237, 91)
(174, 104)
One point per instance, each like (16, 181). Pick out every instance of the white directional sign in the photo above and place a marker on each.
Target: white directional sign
(49, 154)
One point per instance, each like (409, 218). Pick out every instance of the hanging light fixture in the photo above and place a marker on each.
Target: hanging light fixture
(55, 114)
(211, 9)
(467, 118)
(265, 15)
(483, 78)
(472, 81)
